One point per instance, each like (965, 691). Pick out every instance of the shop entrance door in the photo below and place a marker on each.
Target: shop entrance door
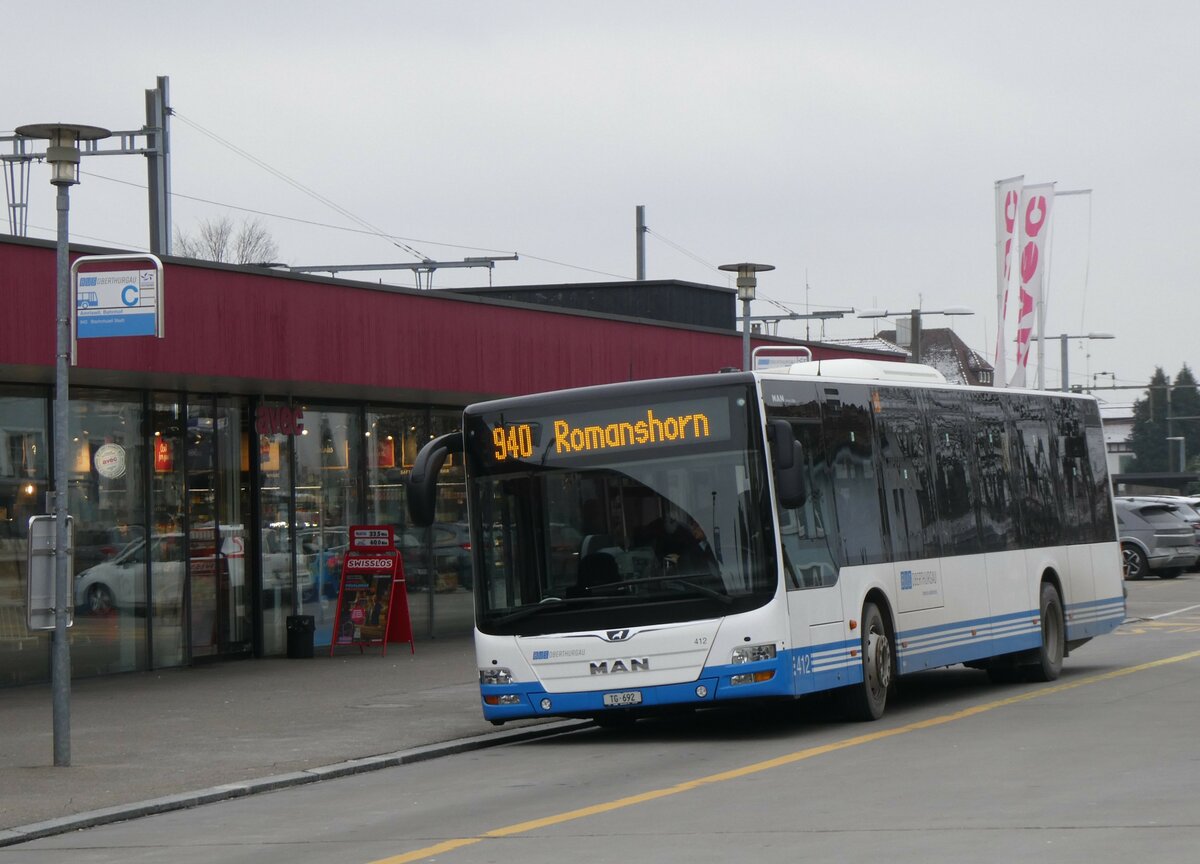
(217, 492)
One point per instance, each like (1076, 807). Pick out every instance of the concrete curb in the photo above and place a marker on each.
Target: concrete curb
(185, 800)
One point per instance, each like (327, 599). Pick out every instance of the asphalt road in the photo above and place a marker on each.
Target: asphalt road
(1103, 765)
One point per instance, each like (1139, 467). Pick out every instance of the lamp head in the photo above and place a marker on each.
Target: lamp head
(62, 151)
(746, 280)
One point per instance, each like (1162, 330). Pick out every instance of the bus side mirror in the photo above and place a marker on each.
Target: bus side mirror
(788, 459)
(422, 479)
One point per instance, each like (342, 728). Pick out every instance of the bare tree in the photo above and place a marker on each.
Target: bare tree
(220, 240)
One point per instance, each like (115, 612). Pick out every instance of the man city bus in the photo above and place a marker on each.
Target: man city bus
(830, 525)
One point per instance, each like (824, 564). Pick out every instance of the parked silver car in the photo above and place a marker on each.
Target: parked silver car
(1155, 538)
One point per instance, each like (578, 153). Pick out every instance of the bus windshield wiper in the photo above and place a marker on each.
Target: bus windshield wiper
(675, 580)
(547, 604)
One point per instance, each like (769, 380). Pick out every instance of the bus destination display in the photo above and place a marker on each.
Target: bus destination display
(623, 429)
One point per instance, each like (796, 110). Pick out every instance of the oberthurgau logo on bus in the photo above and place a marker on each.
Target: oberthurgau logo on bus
(109, 461)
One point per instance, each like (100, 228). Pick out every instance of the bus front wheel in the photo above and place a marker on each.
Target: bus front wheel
(867, 701)
(1050, 655)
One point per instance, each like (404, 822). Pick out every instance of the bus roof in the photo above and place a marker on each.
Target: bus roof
(869, 370)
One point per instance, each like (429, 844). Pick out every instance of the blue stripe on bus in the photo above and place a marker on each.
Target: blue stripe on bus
(822, 667)
(976, 622)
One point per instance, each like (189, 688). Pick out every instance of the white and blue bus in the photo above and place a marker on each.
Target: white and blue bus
(831, 525)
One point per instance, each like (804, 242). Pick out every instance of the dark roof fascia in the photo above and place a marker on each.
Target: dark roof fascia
(552, 286)
(450, 295)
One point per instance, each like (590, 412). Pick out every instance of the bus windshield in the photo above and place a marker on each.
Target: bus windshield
(648, 508)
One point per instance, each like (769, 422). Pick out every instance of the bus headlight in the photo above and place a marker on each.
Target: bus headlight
(753, 677)
(495, 675)
(502, 699)
(753, 653)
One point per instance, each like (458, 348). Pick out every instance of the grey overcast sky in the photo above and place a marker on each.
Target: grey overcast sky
(853, 145)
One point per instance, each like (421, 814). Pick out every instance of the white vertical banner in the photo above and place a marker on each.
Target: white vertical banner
(1033, 222)
(1008, 204)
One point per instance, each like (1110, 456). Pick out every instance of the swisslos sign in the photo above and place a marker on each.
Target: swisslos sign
(371, 563)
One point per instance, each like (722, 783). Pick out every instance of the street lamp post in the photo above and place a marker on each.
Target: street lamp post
(1066, 380)
(915, 326)
(63, 155)
(746, 283)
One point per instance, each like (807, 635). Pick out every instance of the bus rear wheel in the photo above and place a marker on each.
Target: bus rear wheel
(867, 701)
(1050, 655)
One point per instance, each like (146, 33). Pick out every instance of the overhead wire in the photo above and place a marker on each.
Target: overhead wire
(375, 230)
(370, 232)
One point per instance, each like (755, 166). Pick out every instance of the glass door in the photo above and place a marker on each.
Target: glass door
(219, 610)
(329, 450)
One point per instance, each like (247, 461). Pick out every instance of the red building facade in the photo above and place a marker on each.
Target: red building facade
(277, 410)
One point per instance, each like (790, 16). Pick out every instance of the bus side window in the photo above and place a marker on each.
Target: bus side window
(997, 503)
(907, 480)
(808, 532)
(805, 531)
(956, 489)
(846, 418)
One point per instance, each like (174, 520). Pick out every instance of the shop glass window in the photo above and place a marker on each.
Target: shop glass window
(328, 454)
(275, 430)
(393, 437)
(216, 538)
(168, 482)
(106, 496)
(451, 607)
(24, 479)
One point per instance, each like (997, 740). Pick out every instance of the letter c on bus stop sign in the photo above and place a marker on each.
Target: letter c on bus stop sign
(129, 295)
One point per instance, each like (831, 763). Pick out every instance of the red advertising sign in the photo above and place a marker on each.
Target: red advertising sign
(365, 538)
(372, 607)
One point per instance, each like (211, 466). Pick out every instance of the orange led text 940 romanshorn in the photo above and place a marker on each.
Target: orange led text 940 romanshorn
(652, 430)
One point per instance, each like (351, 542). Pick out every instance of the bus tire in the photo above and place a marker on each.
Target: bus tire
(1050, 654)
(867, 701)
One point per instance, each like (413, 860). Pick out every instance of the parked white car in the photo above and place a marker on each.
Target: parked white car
(120, 582)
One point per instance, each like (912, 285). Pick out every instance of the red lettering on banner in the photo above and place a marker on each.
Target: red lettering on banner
(1035, 215)
(1007, 263)
(1026, 304)
(1029, 261)
(1011, 203)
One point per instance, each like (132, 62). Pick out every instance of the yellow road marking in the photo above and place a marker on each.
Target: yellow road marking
(767, 765)
(1141, 627)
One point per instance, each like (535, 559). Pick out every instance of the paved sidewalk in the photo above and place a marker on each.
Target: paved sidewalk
(149, 735)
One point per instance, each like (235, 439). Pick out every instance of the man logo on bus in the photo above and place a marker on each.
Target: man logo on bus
(633, 664)
(617, 635)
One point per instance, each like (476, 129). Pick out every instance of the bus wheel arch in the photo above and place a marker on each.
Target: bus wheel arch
(867, 700)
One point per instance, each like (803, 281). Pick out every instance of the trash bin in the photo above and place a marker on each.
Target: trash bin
(300, 629)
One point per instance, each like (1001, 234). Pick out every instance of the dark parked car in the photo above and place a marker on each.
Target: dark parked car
(449, 543)
(452, 551)
(1155, 538)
